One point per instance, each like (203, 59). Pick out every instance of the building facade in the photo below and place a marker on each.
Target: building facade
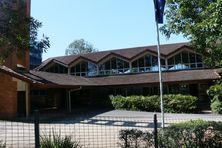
(67, 82)
(132, 71)
(14, 93)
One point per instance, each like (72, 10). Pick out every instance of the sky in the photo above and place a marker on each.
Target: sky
(107, 24)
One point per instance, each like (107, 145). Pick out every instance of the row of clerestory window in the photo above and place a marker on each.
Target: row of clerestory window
(146, 63)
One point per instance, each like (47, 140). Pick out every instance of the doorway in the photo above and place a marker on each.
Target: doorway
(21, 103)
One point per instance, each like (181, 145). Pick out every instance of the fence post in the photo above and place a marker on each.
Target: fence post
(36, 122)
(155, 131)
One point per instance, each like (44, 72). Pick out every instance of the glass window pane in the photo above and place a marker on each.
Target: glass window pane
(171, 61)
(178, 59)
(51, 69)
(193, 65)
(56, 68)
(192, 58)
(162, 62)
(154, 61)
(147, 60)
(185, 57)
(84, 66)
(200, 65)
(134, 64)
(78, 68)
(141, 62)
(107, 65)
(199, 58)
(119, 64)
(61, 69)
(126, 64)
(113, 63)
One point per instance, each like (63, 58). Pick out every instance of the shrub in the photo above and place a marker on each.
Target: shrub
(180, 103)
(191, 134)
(215, 92)
(216, 106)
(197, 133)
(57, 141)
(2, 144)
(133, 138)
(172, 103)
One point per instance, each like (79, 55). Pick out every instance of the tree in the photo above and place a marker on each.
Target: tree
(17, 31)
(199, 21)
(79, 46)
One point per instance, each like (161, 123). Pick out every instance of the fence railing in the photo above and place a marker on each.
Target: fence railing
(89, 132)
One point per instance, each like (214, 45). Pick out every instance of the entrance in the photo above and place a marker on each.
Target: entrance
(21, 104)
(194, 90)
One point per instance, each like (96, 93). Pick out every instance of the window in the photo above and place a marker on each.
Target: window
(147, 63)
(56, 68)
(185, 60)
(84, 68)
(114, 66)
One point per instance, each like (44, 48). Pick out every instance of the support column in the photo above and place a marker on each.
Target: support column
(69, 70)
(27, 99)
(130, 67)
(69, 102)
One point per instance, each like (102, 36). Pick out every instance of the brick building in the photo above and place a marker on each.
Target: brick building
(66, 82)
(14, 93)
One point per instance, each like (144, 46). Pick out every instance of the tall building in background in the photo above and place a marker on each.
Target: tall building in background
(35, 57)
(19, 58)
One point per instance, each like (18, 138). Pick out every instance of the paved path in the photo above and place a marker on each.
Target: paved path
(168, 116)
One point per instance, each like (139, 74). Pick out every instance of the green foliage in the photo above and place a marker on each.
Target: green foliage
(190, 134)
(133, 138)
(216, 106)
(172, 103)
(17, 30)
(2, 144)
(215, 92)
(200, 22)
(180, 103)
(57, 141)
(79, 46)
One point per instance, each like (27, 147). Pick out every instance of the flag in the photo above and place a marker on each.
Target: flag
(159, 10)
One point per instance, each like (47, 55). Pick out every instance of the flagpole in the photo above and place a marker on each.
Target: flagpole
(160, 75)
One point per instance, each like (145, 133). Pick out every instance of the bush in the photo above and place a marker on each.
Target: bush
(172, 103)
(133, 138)
(191, 134)
(198, 134)
(180, 103)
(215, 92)
(2, 144)
(57, 141)
(216, 106)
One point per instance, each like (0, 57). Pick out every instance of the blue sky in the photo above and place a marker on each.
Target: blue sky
(107, 24)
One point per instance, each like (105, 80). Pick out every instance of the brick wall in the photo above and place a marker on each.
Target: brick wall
(8, 96)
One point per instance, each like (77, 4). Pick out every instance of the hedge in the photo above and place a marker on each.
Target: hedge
(215, 92)
(172, 103)
(190, 134)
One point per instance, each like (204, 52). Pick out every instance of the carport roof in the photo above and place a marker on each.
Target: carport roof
(64, 80)
(129, 79)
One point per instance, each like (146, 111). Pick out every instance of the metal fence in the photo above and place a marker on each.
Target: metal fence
(90, 132)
